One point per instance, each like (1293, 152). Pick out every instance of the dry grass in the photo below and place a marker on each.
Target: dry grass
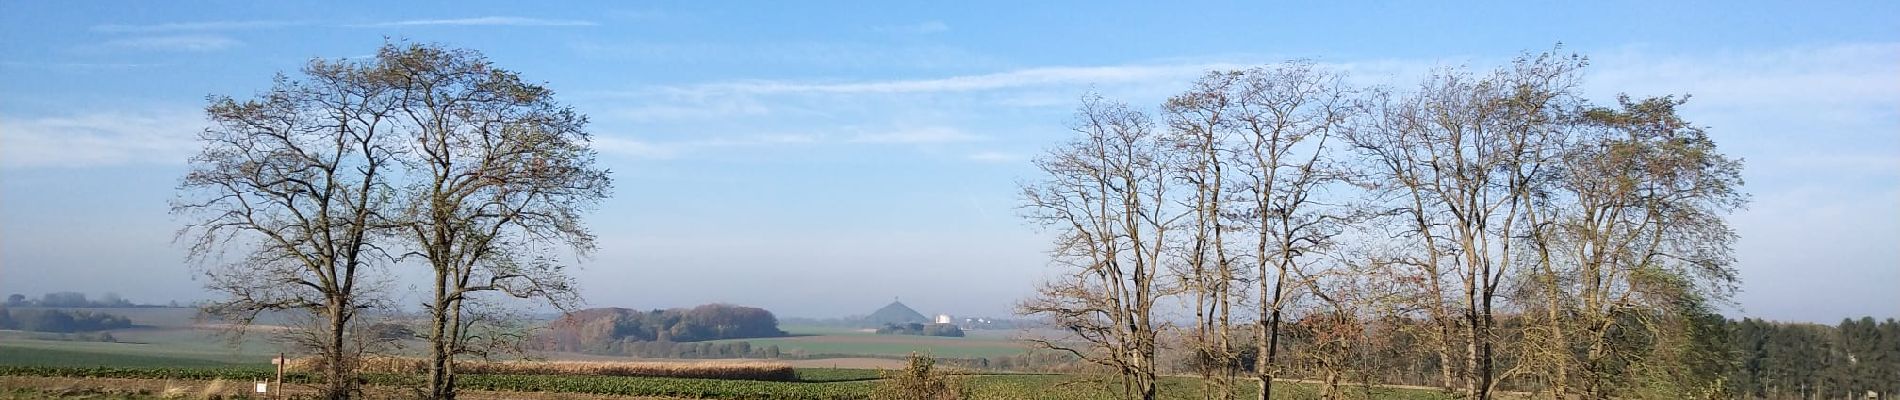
(759, 371)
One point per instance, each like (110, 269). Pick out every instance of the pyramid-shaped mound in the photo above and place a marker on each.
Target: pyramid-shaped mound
(895, 313)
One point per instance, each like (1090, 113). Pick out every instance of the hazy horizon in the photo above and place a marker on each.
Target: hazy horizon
(820, 162)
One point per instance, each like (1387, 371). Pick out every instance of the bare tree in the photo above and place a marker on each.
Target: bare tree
(1412, 218)
(501, 177)
(1107, 196)
(1285, 115)
(298, 178)
(1198, 131)
(1455, 161)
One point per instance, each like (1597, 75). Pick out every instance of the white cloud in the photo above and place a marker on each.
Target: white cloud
(928, 135)
(485, 21)
(921, 28)
(194, 26)
(100, 139)
(188, 43)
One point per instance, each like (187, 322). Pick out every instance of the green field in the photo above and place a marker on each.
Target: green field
(197, 346)
(105, 360)
(14, 355)
(170, 347)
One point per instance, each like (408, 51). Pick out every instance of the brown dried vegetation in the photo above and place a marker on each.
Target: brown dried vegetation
(759, 371)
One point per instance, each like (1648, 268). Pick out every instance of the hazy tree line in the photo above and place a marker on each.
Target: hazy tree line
(859, 321)
(613, 330)
(306, 193)
(690, 350)
(59, 321)
(73, 300)
(919, 329)
(1496, 225)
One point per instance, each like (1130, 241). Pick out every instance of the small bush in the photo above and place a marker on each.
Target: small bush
(920, 380)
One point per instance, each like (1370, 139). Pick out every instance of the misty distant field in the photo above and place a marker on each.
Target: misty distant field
(177, 336)
(839, 363)
(163, 336)
(822, 341)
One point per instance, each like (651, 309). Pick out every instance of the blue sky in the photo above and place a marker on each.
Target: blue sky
(821, 158)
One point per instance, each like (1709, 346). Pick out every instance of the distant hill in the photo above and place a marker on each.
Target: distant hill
(895, 313)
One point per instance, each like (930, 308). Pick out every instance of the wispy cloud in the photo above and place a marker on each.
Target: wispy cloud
(185, 43)
(485, 21)
(786, 54)
(72, 66)
(921, 28)
(1044, 76)
(928, 135)
(195, 26)
(98, 139)
(1799, 114)
(1815, 75)
(633, 147)
(637, 148)
(704, 109)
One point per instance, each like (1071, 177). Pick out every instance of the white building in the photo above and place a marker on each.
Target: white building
(945, 319)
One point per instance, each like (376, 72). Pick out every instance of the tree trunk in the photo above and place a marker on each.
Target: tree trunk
(438, 343)
(450, 347)
(336, 371)
(1145, 382)
(1273, 344)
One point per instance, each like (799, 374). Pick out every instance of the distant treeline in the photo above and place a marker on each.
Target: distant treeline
(59, 321)
(72, 300)
(1752, 358)
(732, 349)
(603, 330)
(1782, 360)
(945, 330)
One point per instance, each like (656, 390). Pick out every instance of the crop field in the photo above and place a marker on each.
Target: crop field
(754, 370)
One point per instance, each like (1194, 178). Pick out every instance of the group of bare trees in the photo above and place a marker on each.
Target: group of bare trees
(1512, 232)
(307, 197)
